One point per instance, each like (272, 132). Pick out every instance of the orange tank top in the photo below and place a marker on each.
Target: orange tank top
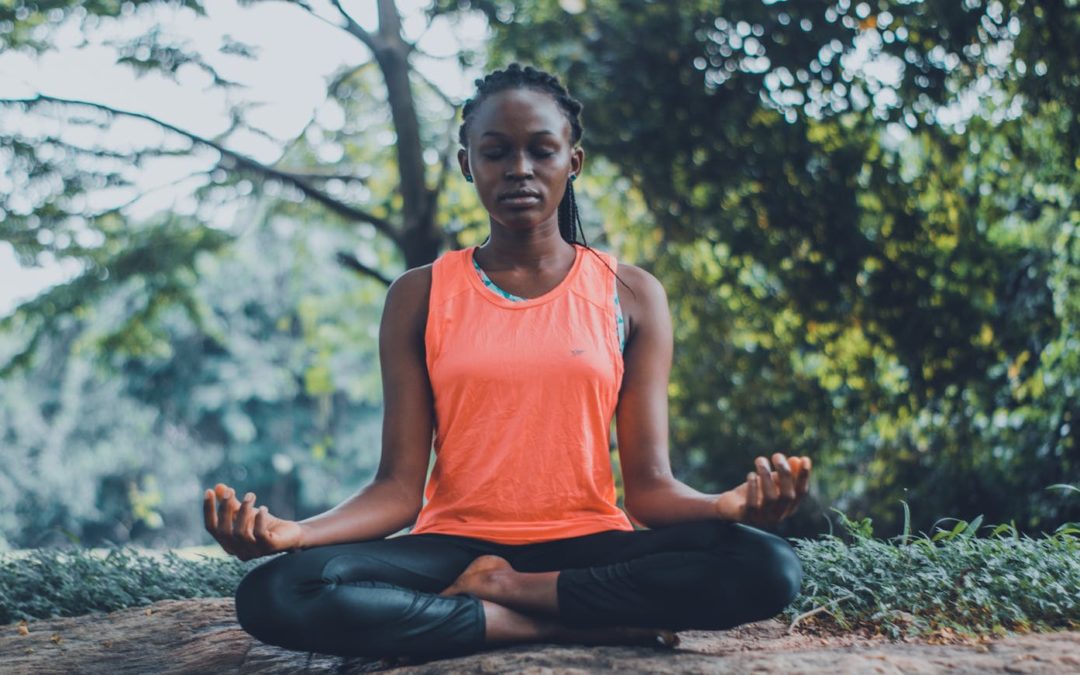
(525, 392)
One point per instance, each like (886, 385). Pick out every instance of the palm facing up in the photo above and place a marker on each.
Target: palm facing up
(245, 531)
(769, 494)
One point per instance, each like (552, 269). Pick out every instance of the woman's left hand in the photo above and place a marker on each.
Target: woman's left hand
(769, 494)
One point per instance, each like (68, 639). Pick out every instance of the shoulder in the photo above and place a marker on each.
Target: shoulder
(412, 285)
(640, 287)
(407, 298)
(414, 280)
(641, 296)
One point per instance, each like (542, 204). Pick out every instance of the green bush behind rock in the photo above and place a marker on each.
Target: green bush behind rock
(44, 583)
(904, 586)
(916, 585)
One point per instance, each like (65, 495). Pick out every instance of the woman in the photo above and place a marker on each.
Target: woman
(517, 354)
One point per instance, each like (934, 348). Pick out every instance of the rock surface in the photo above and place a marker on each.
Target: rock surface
(202, 636)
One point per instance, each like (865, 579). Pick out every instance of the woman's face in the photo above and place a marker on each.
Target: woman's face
(520, 156)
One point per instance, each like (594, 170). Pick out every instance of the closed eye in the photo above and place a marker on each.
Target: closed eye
(499, 153)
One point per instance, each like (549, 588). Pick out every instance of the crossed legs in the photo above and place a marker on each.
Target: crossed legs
(441, 594)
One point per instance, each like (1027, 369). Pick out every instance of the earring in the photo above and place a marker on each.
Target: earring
(468, 178)
(573, 176)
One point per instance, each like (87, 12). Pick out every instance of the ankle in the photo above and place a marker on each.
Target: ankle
(505, 625)
(499, 585)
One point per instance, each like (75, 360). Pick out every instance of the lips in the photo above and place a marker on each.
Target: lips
(519, 196)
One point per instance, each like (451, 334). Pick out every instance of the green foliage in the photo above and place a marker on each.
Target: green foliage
(154, 263)
(44, 583)
(111, 444)
(904, 587)
(859, 270)
(951, 580)
(215, 342)
(866, 272)
(26, 24)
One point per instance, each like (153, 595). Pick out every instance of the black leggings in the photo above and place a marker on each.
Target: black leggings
(380, 597)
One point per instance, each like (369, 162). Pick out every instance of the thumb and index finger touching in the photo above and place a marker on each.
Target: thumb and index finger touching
(786, 482)
(236, 525)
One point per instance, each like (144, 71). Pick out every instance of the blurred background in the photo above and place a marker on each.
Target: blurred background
(864, 213)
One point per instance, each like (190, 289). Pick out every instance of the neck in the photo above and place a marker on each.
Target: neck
(535, 249)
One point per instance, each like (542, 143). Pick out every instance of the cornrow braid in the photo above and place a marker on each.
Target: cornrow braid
(517, 77)
(514, 76)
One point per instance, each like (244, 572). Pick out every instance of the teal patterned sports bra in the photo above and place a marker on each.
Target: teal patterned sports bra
(620, 330)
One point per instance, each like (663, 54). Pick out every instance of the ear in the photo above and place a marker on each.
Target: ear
(577, 160)
(463, 161)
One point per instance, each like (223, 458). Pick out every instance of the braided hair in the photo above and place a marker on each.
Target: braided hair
(516, 77)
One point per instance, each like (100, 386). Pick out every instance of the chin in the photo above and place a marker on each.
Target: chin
(521, 219)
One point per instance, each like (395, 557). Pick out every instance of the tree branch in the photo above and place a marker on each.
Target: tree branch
(242, 162)
(302, 4)
(389, 21)
(324, 175)
(445, 163)
(393, 59)
(373, 42)
(341, 78)
(439, 92)
(350, 261)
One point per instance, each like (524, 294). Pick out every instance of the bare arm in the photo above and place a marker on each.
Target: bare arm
(393, 499)
(654, 497)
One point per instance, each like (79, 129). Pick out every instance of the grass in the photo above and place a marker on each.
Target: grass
(952, 581)
(949, 583)
(43, 583)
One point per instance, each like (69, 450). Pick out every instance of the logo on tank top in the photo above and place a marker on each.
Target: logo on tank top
(577, 352)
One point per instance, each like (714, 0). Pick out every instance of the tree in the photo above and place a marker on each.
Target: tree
(277, 392)
(56, 177)
(861, 268)
(190, 349)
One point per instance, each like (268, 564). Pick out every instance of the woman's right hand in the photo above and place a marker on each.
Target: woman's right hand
(245, 531)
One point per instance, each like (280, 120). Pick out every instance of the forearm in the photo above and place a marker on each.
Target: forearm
(381, 508)
(669, 502)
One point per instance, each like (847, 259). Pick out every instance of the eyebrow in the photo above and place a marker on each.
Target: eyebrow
(535, 133)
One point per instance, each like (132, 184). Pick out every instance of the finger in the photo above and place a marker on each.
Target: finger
(261, 531)
(227, 517)
(245, 520)
(240, 537)
(213, 508)
(785, 499)
(786, 478)
(802, 485)
(210, 511)
(760, 515)
(796, 466)
(753, 493)
(768, 485)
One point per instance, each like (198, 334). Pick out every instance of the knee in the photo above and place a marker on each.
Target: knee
(778, 573)
(261, 609)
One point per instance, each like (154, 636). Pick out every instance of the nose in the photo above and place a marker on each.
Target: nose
(519, 167)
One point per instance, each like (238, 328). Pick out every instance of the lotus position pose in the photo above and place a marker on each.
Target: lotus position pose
(513, 357)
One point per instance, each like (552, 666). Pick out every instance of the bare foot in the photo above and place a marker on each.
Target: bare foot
(478, 576)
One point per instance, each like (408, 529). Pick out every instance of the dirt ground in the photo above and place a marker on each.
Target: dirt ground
(201, 636)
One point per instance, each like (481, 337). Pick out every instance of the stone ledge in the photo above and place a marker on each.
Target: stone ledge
(202, 636)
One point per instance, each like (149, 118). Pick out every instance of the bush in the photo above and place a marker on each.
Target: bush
(909, 586)
(951, 581)
(50, 582)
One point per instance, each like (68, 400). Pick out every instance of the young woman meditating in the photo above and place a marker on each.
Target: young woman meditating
(516, 354)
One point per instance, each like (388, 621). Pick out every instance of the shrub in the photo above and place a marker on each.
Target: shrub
(951, 580)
